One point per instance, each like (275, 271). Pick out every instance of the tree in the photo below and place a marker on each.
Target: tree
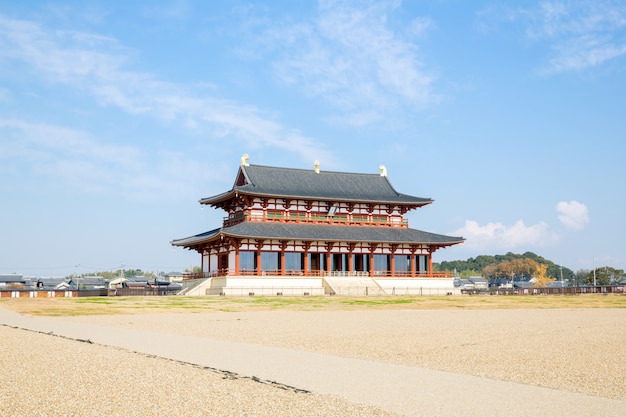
(490, 272)
(505, 269)
(605, 275)
(580, 277)
(521, 267)
(194, 270)
(127, 273)
(515, 265)
(540, 277)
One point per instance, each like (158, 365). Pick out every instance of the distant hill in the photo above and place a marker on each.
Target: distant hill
(504, 265)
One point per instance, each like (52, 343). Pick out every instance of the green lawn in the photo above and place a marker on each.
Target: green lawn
(174, 304)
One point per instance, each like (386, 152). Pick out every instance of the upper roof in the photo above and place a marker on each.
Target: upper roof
(307, 232)
(259, 180)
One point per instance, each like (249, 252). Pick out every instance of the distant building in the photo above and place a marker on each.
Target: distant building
(14, 280)
(464, 284)
(479, 282)
(89, 283)
(52, 283)
(174, 276)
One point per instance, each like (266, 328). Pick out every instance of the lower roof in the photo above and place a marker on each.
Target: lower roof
(308, 232)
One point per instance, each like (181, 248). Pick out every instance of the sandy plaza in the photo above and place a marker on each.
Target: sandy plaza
(356, 362)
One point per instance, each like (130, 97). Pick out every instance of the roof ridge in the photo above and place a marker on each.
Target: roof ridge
(312, 170)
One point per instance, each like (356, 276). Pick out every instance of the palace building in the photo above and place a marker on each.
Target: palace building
(309, 231)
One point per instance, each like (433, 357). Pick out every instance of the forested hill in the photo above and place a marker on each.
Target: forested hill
(503, 265)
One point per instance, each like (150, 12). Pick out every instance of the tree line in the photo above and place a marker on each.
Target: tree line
(126, 273)
(526, 266)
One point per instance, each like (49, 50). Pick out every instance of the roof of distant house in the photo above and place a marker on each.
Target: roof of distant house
(11, 278)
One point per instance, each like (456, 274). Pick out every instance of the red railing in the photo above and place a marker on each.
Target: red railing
(352, 220)
(318, 273)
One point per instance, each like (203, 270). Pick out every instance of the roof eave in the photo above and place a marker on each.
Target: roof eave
(192, 241)
(229, 194)
(218, 198)
(455, 240)
(447, 244)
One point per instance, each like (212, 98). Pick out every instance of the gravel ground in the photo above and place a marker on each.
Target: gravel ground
(569, 350)
(572, 350)
(44, 375)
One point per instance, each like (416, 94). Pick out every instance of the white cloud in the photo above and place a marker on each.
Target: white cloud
(350, 57)
(582, 53)
(60, 157)
(96, 64)
(498, 237)
(421, 25)
(580, 34)
(573, 214)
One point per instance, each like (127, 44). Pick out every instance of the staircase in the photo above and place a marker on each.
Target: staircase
(195, 287)
(355, 286)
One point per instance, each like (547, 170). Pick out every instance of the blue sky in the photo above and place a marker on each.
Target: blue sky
(117, 117)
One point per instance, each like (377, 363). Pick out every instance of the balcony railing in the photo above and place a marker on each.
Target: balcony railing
(321, 273)
(342, 219)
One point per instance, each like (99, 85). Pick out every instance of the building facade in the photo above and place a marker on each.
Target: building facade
(285, 222)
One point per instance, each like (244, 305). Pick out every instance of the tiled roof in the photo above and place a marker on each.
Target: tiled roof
(11, 278)
(262, 230)
(302, 183)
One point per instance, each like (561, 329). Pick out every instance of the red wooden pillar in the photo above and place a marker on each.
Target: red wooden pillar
(328, 263)
(307, 246)
(350, 217)
(351, 247)
(202, 262)
(413, 260)
(237, 264)
(430, 263)
(373, 247)
(394, 248)
(329, 249)
(236, 244)
(283, 247)
(370, 211)
(258, 257)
